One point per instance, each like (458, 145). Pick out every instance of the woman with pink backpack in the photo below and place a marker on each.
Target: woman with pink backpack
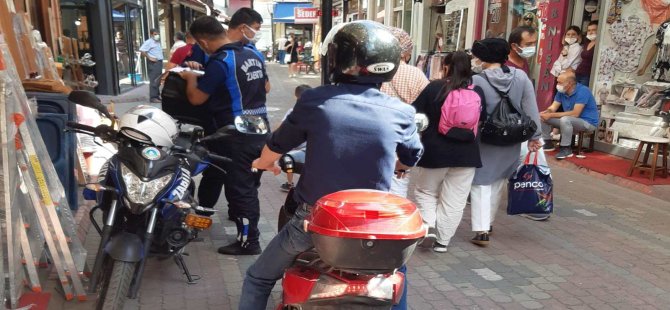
(451, 148)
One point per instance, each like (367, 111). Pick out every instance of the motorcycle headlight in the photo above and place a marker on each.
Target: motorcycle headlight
(141, 192)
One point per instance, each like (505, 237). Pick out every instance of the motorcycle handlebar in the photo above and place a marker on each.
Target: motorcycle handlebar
(75, 125)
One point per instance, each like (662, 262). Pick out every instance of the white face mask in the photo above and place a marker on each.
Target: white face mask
(527, 52)
(591, 37)
(571, 40)
(560, 89)
(255, 38)
(476, 65)
(157, 37)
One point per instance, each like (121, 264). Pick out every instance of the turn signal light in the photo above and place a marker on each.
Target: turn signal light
(197, 221)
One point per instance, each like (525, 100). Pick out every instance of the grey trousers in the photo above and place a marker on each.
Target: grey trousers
(155, 69)
(568, 125)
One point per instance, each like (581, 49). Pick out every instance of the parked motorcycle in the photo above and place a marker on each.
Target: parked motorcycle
(143, 193)
(361, 238)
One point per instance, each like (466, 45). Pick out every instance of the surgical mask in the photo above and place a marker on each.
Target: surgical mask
(571, 40)
(527, 52)
(560, 89)
(157, 37)
(476, 66)
(591, 37)
(255, 38)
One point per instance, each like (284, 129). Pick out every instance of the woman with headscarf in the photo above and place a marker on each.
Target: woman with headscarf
(498, 162)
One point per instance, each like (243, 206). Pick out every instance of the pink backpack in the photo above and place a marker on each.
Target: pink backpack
(460, 114)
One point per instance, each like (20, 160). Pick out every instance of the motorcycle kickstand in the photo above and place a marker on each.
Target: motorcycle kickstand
(192, 278)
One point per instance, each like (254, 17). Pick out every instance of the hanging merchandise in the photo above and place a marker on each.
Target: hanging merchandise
(614, 14)
(628, 37)
(658, 10)
(439, 35)
(663, 55)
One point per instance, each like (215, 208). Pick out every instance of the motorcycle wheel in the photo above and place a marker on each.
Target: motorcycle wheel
(116, 286)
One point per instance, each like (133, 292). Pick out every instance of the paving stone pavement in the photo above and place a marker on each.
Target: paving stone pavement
(606, 247)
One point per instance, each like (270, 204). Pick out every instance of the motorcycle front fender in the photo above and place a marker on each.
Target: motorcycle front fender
(125, 247)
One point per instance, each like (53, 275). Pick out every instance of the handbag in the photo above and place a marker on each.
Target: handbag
(287, 58)
(506, 125)
(530, 189)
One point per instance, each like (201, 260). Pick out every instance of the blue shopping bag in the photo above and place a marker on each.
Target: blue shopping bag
(530, 189)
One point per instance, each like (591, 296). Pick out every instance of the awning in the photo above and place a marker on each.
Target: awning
(283, 12)
(199, 6)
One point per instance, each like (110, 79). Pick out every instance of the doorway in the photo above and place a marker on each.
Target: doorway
(129, 24)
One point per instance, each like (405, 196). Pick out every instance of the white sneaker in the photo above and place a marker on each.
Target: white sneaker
(439, 247)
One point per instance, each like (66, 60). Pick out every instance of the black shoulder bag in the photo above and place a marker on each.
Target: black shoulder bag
(506, 125)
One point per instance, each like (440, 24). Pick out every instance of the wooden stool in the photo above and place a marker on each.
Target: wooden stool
(659, 143)
(580, 141)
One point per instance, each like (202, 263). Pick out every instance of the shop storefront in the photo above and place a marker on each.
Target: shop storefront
(284, 20)
(630, 81)
(447, 27)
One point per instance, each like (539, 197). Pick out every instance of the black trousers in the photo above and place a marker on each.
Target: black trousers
(239, 182)
(155, 69)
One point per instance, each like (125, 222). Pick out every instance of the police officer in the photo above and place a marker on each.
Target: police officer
(233, 84)
(245, 26)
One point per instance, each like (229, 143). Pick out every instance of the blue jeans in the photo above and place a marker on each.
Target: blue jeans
(279, 255)
(282, 54)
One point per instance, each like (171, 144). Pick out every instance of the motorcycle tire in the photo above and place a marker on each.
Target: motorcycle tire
(116, 286)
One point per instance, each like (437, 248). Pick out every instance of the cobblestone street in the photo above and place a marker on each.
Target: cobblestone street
(605, 247)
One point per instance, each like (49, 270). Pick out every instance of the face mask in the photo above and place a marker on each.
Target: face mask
(476, 66)
(591, 37)
(157, 37)
(527, 52)
(571, 40)
(255, 38)
(560, 89)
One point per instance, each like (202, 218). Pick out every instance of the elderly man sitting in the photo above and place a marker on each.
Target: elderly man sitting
(580, 113)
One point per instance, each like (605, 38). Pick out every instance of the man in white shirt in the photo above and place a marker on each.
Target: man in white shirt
(179, 41)
(153, 52)
(281, 47)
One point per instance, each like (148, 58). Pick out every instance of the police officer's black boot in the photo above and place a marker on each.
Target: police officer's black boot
(243, 246)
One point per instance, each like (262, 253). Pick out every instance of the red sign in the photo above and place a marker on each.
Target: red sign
(552, 13)
(306, 15)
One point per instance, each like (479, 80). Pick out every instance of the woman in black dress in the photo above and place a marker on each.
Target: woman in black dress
(291, 49)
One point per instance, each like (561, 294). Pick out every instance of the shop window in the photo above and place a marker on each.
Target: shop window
(448, 31)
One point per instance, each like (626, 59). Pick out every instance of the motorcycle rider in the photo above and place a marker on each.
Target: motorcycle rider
(354, 133)
(233, 84)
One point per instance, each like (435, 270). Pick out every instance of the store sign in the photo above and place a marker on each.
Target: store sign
(306, 15)
(552, 13)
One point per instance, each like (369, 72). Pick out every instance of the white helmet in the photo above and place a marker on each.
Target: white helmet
(149, 125)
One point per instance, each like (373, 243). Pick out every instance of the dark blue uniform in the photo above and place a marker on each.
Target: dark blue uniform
(235, 80)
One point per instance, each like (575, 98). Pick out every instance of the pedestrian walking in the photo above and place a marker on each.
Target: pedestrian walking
(498, 162)
(227, 96)
(444, 174)
(406, 85)
(281, 47)
(153, 52)
(292, 49)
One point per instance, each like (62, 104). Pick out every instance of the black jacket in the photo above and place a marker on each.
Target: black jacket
(440, 151)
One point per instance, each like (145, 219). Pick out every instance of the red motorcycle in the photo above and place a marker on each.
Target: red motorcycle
(361, 238)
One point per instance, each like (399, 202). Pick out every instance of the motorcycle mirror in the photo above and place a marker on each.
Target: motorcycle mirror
(421, 121)
(89, 100)
(251, 124)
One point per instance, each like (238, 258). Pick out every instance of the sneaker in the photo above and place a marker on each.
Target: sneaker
(548, 146)
(481, 239)
(536, 217)
(564, 153)
(239, 248)
(286, 186)
(439, 247)
(429, 240)
(155, 100)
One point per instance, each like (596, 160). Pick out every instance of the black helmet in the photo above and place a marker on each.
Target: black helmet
(362, 52)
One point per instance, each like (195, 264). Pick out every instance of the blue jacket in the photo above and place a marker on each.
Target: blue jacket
(353, 134)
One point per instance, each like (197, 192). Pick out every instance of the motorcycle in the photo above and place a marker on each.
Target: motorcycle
(361, 238)
(144, 193)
